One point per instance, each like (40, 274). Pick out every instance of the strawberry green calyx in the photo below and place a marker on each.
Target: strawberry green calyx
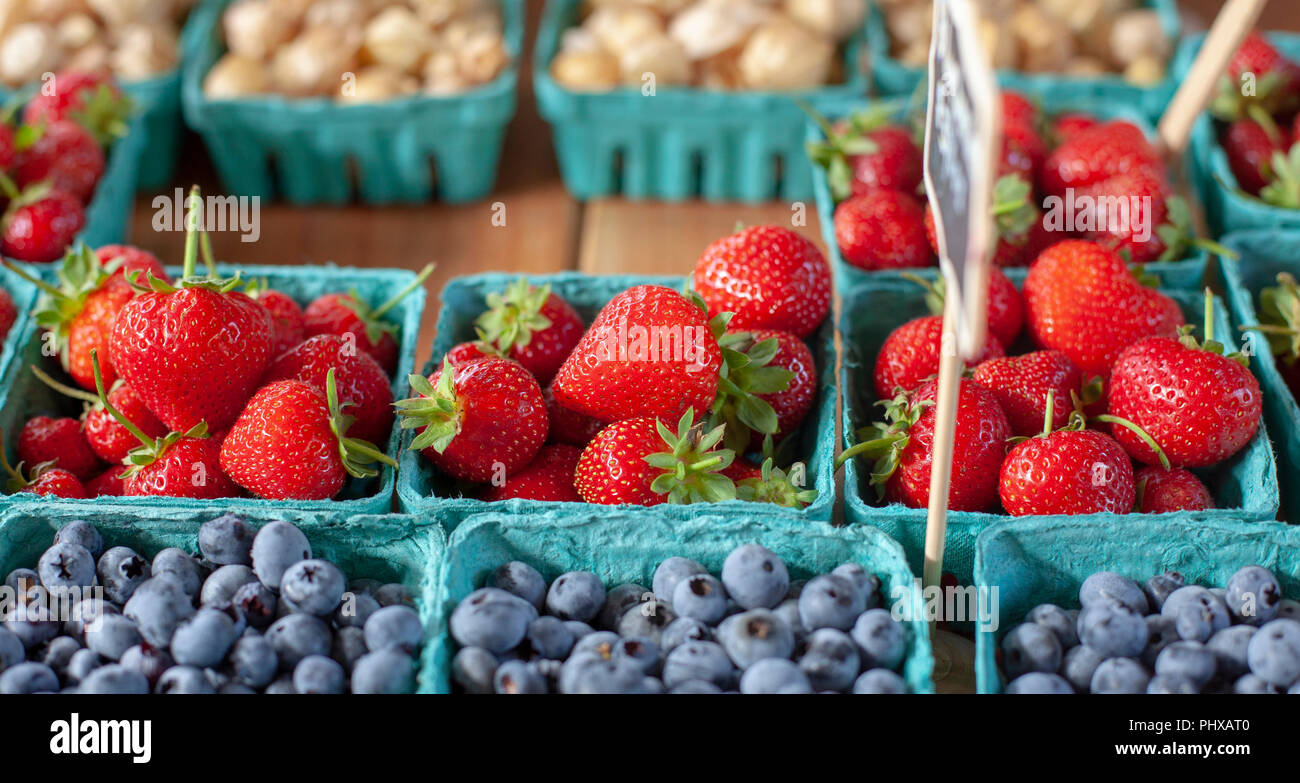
(435, 410)
(358, 456)
(105, 114)
(1209, 344)
(1230, 104)
(1013, 208)
(150, 449)
(20, 198)
(777, 486)
(80, 274)
(16, 481)
(1283, 189)
(834, 153)
(373, 319)
(513, 317)
(746, 373)
(1279, 314)
(934, 291)
(884, 441)
(1178, 235)
(692, 464)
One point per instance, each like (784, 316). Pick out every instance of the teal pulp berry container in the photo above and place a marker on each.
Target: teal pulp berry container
(681, 142)
(309, 151)
(388, 547)
(1228, 207)
(623, 548)
(160, 123)
(23, 395)
(892, 77)
(1245, 487)
(1264, 253)
(1045, 560)
(422, 490)
(108, 215)
(1184, 273)
(23, 295)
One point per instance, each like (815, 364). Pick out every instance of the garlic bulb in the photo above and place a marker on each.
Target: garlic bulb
(28, 51)
(255, 28)
(439, 12)
(144, 50)
(92, 58)
(119, 13)
(586, 71)
(783, 55)
(397, 38)
(661, 56)
(234, 76)
(1138, 34)
(315, 61)
(458, 32)
(481, 57)
(620, 27)
(710, 27)
(837, 19)
(53, 11)
(442, 74)
(377, 83)
(77, 30)
(1044, 46)
(337, 14)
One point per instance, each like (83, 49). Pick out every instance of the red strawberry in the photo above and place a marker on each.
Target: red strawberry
(66, 156)
(1023, 151)
(882, 229)
(361, 382)
(567, 426)
(1275, 79)
(1021, 385)
(462, 353)
(742, 470)
(477, 421)
(8, 147)
(642, 462)
(792, 403)
(1081, 299)
(910, 354)
(769, 277)
(8, 313)
(1067, 126)
(770, 484)
(40, 224)
(290, 444)
(1250, 147)
(649, 352)
(548, 477)
(766, 387)
(1161, 490)
(287, 322)
(1279, 318)
(1006, 311)
(58, 441)
(1125, 211)
(1018, 221)
(108, 439)
(531, 325)
(92, 99)
(107, 484)
(1018, 110)
(1199, 405)
(122, 260)
(343, 314)
(1097, 154)
(1067, 471)
(49, 481)
(902, 447)
(866, 153)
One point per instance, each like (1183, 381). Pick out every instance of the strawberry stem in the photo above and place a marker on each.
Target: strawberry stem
(1141, 433)
(144, 439)
(17, 481)
(357, 455)
(405, 292)
(67, 391)
(1049, 414)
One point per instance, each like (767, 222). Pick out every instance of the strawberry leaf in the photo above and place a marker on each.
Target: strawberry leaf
(513, 317)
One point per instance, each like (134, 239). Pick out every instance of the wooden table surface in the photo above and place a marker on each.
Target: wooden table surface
(545, 229)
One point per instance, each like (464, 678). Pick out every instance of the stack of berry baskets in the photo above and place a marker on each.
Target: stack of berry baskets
(1159, 605)
(1243, 152)
(577, 398)
(1265, 303)
(606, 619)
(17, 295)
(202, 408)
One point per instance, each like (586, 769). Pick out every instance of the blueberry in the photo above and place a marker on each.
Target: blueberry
(522, 580)
(1191, 661)
(1253, 594)
(474, 669)
(355, 609)
(1171, 684)
(314, 586)
(398, 626)
(66, 565)
(276, 547)
(1198, 612)
(617, 601)
(83, 662)
(180, 566)
(1162, 631)
(57, 653)
(25, 584)
(755, 577)
(518, 677)
(389, 670)
(867, 584)
(220, 586)
(550, 638)
(751, 636)
(204, 639)
(81, 532)
(491, 618)
(774, 675)
(1274, 653)
(879, 681)
(297, 636)
(28, 677)
(577, 595)
(683, 630)
(1056, 620)
(281, 685)
(227, 540)
(348, 646)
(31, 623)
(1113, 630)
(830, 660)
(600, 644)
(157, 606)
(318, 674)
(696, 687)
(148, 660)
(702, 597)
(1288, 609)
(1080, 664)
(1120, 675)
(83, 614)
(788, 610)
(12, 650)
(1159, 588)
(647, 620)
(394, 594)
(252, 661)
(257, 602)
(184, 680)
(1107, 585)
(589, 674)
(111, 636)
(881, 640)
(1252, 684)
(1030, 647)
(1040, 682)
(672, 571)
(578, 628)
(235, 688)
(114, 679)
(640, 651)
(698, 661)
(121, 571)
(830, 601)
(1229, 647)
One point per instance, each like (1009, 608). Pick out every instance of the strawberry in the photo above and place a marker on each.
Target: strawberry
(902, 443)
(742, 470)
(1123, 209)
(108, 439)
(1201, 406)
(649, 352)
(566, 426)
(1081, 299)
(1018, 110)
(107, 484)
(548, 477)
(769, 277)
(92, 99)
(910, 354)
(1162, 490)
(1283, 188)
(61, 442)
(287, 322)
(1066, 126)
(1249, 146)
(642, 462)
(40, 224)
(1017, 218)
(531, 325)
(290, 443)
(66, 156)
(361, 381)
(770, 484)
(882, 229)
(1021, 385)
(477, 421)
(1279, 322)
(46, 480)
(1274, 78)
(461, 353)
(8, 313)
(1097, 154)
(1006, 312)
(1023, 149)
(1072, 470)
(792, 399)
(343, 314)
(8, 146)
(866, 153)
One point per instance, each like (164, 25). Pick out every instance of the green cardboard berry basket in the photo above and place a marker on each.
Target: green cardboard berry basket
(421, 490)
(892, 77)
(1045, 560)
(23, 395)
(623, 548)
(1264, 253)
(23, 294)
(1185, 273)
(387, 547)
(303, 150)
(681, 142)
(1245, 487)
